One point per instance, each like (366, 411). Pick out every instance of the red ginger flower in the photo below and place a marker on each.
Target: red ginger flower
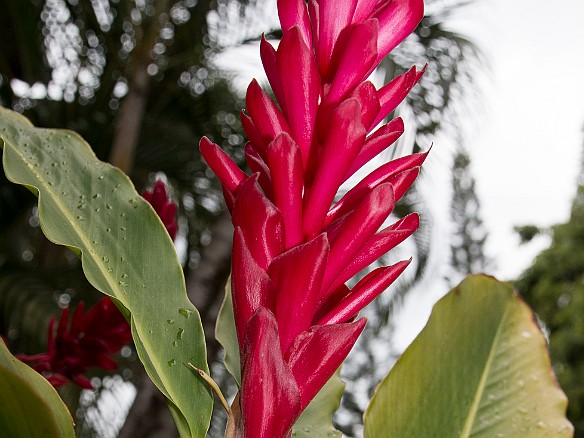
(292, 251)
(165, 208)
(87, 342)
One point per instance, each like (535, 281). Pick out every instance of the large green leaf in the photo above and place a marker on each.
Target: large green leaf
(29, 405)
(126, 253)
(316, 420)
(226, 335)
(480, 368)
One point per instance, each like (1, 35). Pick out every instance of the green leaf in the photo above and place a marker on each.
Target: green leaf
(317, 418)
(479, 368)
(29, 405)
(125, 251)
(226, 335)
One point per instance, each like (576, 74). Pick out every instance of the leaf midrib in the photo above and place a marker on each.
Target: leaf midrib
(466, 431)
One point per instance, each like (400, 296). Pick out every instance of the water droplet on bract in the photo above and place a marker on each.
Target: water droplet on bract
(171, 362)
(109, 207)
(122, 283)
(95, 242)
(100, 177)
(105, 259)
(306, 429)
(143, 286)
(96, 195)
(123, 228)
(80, 218)
(109, 269)
(124, 275)
(122, 259)
(179, 334)
(174, 343)
(107, 230)
(170, 321)
(185, 312)
(541, 425)
(150, 331)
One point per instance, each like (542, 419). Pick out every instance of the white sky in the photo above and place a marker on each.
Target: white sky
(526, 153)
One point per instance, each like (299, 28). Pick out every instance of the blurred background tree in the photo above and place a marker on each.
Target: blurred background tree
(467, 242)
(554, 287)
(138, 79)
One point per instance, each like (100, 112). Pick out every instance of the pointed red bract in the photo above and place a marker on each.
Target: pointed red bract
(268, 385)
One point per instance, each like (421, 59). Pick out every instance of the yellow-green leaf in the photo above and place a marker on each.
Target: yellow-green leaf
(29, 405)
(480, 368)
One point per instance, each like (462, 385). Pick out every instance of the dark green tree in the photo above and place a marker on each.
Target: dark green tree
(554, 287)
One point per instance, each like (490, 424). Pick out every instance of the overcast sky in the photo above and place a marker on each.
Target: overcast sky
(526, 151)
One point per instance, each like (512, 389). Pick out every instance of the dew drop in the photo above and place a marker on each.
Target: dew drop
(107, 230)
(109, 207)
(170, 321)
(122, 283)
(100, 177)
(123, 228)
(171, 362)
(185, 312)
(124, 275)
(541, 425)
(174, 343)
(105, 259)
(96, 195)
(179, 334)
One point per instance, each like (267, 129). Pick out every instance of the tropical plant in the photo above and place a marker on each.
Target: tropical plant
(289, 332)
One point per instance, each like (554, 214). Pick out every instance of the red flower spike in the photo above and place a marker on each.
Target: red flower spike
(353, 59)
(294, 13)
(378, 245)
(251, 287)
(266, 116)
(252, 133)
(302, 148)
(297, 276)
(164, 206)
(347, 129)
(264, 230)
(223, 166)
(269, 61)
(86, 342)
(257, 165)
(298, 71)
(285, 162)
(376, 143)
(270, 397)
(334, 16)
(317, 353)
(364, 292)
(362, 223)
(392, 94)
(381, 175)
(366, 94)
(396, 21)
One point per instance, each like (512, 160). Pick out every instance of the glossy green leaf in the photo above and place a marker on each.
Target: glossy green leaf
(317, 418)
(227, 336)
(29, 405)
(479, 368)
(126, 253)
